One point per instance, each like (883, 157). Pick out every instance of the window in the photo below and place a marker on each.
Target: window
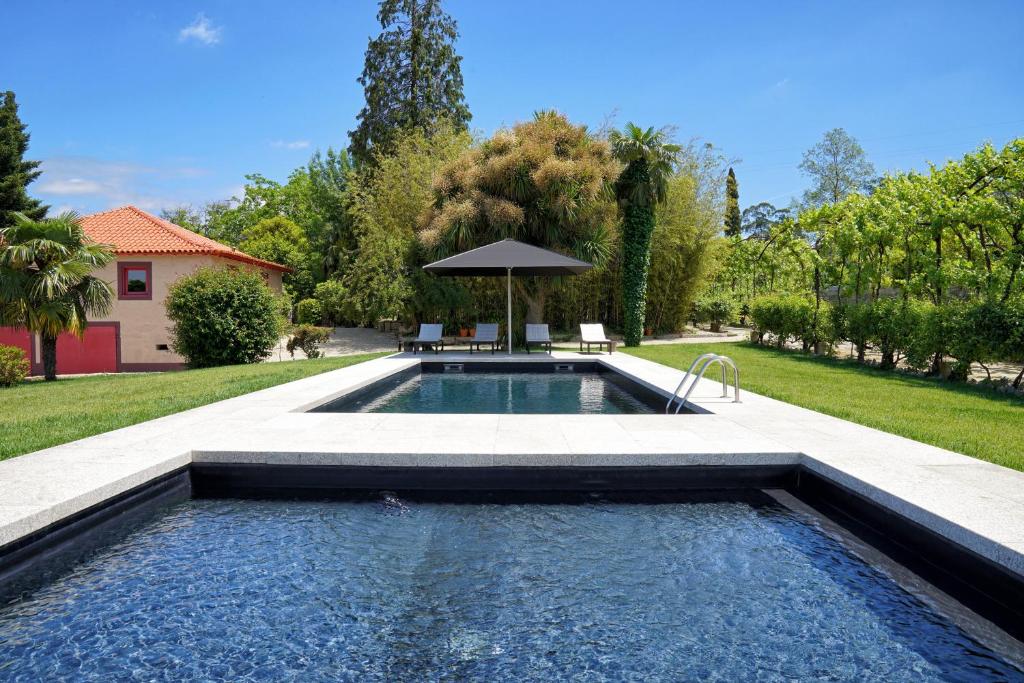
(135, 280)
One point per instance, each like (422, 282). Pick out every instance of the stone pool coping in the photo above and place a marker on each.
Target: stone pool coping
(975, 504)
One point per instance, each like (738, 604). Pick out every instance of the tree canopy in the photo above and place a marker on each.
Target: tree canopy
(412, 77)
(544, 182)
(836, 166)
(15, 171)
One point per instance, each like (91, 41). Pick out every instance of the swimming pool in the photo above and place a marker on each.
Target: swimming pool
(384, 588)
(475, 389)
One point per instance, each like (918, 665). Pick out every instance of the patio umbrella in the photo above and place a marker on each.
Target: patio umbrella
(508, 257)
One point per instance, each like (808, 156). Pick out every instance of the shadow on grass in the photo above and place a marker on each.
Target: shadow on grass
(896, 377)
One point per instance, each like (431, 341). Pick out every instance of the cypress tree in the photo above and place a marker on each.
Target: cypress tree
(15, 172)
(732, 205)
(412, 77)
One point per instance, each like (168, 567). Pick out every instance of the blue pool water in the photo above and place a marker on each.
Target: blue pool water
(487, 392)
(325, 591)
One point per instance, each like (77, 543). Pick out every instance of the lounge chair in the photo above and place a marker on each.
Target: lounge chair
(594, 334)
(486, 333)
(538, 334)
(429, 335)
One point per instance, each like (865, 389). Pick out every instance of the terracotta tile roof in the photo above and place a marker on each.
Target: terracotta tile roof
(133, 231)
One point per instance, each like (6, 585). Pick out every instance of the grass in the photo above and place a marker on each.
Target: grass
(37, 415)
(967, 419)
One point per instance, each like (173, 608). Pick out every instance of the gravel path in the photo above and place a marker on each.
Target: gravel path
(344, 341)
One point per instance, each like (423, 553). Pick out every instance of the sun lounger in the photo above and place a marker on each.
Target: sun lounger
(430, 335)
(593, 334)
(539, 335)
(486, 333)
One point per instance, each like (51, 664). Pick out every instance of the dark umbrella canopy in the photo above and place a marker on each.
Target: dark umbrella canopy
(494, 260)
(508, 257)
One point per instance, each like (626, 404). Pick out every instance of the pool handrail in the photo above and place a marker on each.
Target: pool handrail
(709, 359)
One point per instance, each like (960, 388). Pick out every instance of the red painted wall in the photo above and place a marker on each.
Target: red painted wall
(95, 352)
(10, 336)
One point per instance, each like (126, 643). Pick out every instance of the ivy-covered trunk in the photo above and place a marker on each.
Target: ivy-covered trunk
(49, 349)
(637, 227)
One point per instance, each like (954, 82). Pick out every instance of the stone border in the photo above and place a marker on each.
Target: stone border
(975, 504)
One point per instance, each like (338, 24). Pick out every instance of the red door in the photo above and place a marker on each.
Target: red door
(95, 352)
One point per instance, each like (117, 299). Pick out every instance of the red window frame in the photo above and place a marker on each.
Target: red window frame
(122, 280)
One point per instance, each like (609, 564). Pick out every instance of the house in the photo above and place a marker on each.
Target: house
(151, 255)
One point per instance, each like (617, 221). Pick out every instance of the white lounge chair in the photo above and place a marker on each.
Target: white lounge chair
(486, 333)
(430, 335)
(538, 334)
(591, 334)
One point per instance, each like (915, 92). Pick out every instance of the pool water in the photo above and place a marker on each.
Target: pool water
(409, 591)
(492, 392)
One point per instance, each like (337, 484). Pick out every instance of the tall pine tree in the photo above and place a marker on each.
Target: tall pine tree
(15, 172)
(411, 78)
(732, 205)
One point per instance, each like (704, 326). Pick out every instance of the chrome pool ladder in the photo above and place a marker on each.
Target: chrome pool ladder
(709, 359)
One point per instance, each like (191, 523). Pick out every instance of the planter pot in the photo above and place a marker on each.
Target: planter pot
(463, 332)
(648, 331)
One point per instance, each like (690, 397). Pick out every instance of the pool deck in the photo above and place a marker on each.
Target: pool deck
(973, 503)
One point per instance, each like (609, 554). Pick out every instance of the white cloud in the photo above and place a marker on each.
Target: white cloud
(86, 183)
(782, 84)
(71, 186)
(200, 30)
(290, 144)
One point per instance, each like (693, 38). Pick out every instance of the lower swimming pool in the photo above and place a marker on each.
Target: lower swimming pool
(574, 391)
(386, 589)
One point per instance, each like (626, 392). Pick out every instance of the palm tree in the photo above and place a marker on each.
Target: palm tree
(643, 184)
(46, 284)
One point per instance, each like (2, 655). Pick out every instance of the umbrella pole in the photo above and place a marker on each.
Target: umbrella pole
(508, 329)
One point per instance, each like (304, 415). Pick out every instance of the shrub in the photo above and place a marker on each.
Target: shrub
(14, 366)
(223, 316)
(309, 312)
(982, 332)
(820, 329)
(716, 309)
(334, 302)
(308, 338)
(891, 325)
(784, 316)
(929, 338)
(858, 327)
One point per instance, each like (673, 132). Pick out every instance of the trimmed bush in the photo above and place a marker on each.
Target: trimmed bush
(309, 312)
(223, 316)
(308, 338)
(891, 326)
(716, 309)
(14, 366)
(334, 302)
(983, 332)
(784, 316)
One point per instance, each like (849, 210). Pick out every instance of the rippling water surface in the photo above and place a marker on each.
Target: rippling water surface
(324, 591)
(494, 392)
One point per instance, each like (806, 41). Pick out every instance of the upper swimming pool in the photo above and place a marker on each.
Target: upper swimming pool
(535, 388)
(595, 589)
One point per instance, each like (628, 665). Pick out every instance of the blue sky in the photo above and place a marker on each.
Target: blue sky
(164, 104)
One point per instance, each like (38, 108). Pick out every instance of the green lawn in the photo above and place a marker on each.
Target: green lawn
(970, 420)
(37, 414)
